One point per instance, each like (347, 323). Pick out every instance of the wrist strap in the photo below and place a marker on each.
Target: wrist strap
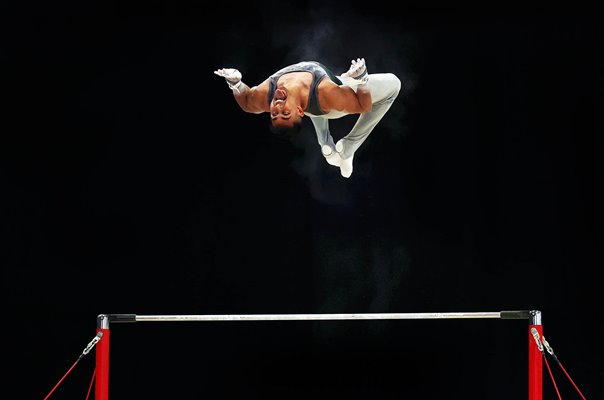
(235, 87)
(363, 79)
(361, 76)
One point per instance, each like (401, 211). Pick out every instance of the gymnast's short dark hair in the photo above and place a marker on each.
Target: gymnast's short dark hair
(286, 132)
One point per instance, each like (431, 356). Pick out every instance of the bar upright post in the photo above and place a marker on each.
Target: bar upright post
(535, 361)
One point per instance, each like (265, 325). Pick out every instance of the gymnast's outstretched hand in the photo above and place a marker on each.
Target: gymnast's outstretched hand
(232, 75)
(233, 78)
(357, 70)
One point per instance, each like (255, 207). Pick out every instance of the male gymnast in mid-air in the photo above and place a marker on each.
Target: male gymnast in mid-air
(308, 88)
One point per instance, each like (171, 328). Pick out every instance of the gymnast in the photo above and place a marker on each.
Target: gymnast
(308, 88)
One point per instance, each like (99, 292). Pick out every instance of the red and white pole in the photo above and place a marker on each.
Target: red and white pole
(101, 386)
(535, 361)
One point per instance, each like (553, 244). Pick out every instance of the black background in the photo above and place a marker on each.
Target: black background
(133, 183)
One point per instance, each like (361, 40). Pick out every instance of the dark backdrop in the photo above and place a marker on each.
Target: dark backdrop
(132, 183)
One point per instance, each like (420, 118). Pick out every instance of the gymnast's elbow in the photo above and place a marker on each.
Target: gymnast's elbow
(251, 110)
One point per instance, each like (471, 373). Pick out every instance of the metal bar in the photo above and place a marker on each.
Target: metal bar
(312, 317)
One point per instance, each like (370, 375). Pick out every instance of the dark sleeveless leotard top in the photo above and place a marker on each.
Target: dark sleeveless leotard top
(319, 72)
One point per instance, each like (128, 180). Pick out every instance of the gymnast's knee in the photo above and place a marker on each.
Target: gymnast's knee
(395, 84)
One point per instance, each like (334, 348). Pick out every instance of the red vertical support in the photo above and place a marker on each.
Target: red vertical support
(102, 360)
(535, 358)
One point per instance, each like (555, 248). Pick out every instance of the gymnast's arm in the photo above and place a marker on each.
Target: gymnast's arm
(344, 98)
(252, 100)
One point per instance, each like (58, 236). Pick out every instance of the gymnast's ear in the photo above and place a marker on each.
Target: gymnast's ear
(300, 111)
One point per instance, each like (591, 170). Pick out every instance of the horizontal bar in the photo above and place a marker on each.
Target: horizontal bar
(318, 317)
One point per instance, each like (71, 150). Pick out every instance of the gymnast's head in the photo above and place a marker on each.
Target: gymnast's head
(286, 114)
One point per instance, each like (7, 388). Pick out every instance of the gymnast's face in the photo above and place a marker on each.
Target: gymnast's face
(284, 111)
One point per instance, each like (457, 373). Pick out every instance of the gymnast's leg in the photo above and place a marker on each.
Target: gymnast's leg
(325, 140)
(384, 89)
